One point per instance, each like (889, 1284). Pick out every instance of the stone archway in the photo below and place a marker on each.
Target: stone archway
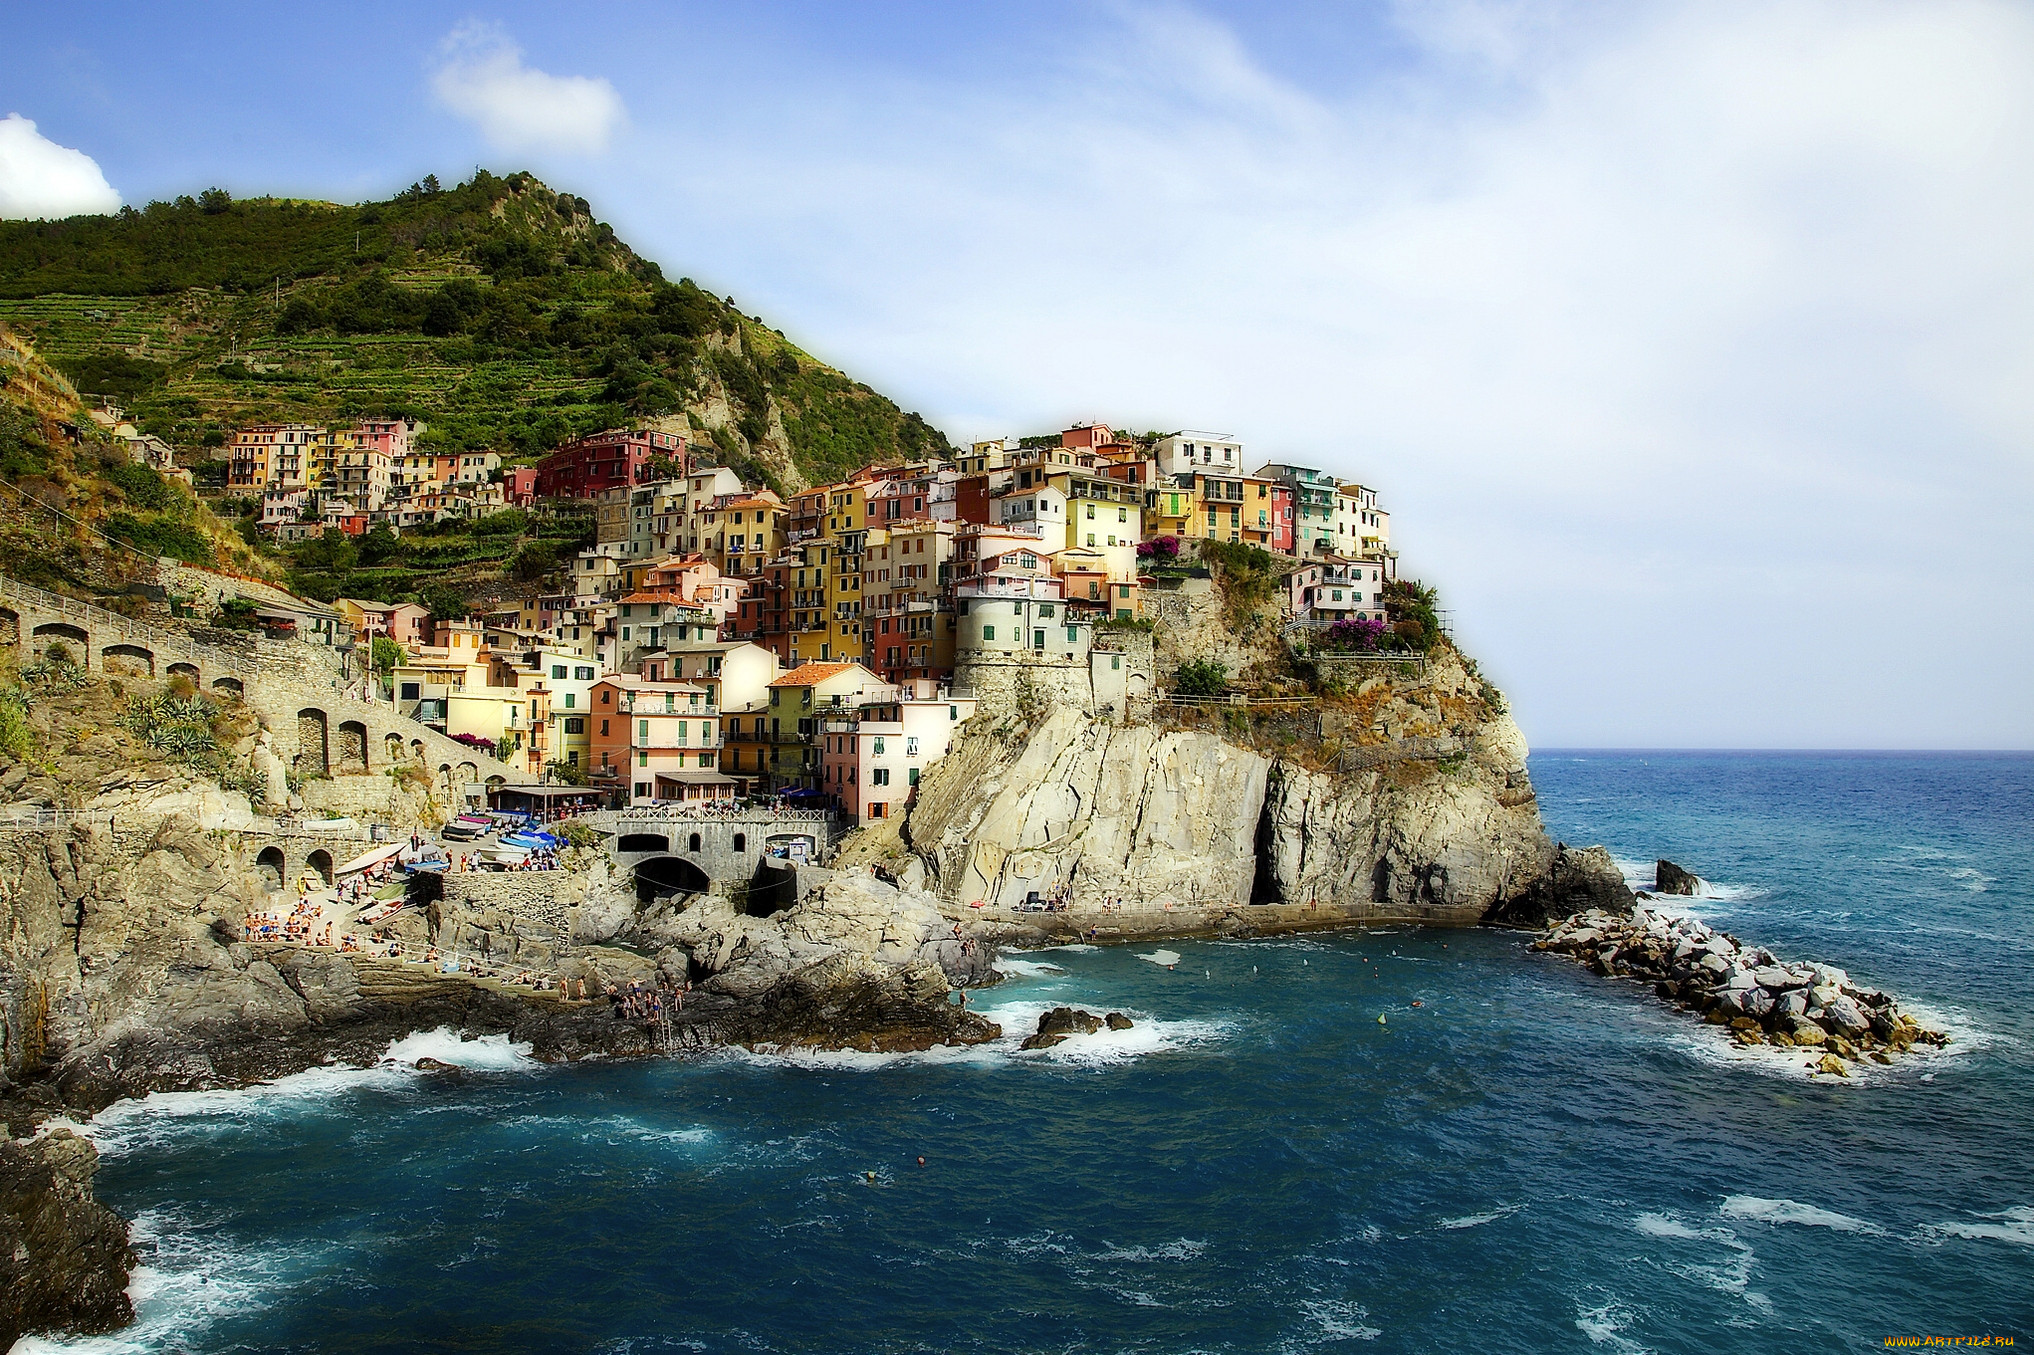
(186, 671)
(642, 842)
(232, 685)
(10, 626)
(125, 660)
(392, 748)
(352, 747)
(51, 634)
(314, 754)
(271, 865)
(662, 875)
(320, 860)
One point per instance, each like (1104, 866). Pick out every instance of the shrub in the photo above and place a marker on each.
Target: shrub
(1201, 677)
(1353, 635)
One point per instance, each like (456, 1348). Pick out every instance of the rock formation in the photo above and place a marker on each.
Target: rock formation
(64, 1258)
(1669, 878)
(1409, 801)
(1762, 999)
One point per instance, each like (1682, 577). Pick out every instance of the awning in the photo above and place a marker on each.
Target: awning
(700, 777)
(368, 858)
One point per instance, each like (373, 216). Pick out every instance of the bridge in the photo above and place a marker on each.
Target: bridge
(315, 725)
(768, 851)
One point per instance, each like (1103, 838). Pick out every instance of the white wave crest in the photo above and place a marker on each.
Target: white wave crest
(1179, 1249)
(1478, 1220)
(1606, 1325)
(1168, 958)
(191, 1277)
(1029, 969)
(2015, 1226)
(127, 1125)
(1788, 1211)
(1338, 1320)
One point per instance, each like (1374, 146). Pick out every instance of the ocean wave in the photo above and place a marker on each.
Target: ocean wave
(1606, 1325)
(1074, 948)
(1336, 1320)
(2015, 1226)
(1029, 969)
(1179, 1249)
(1477, 1220)
(1788, 1211)
(191, 1276)
(126, 1126)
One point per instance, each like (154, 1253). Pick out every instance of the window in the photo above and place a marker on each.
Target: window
(1091, 538)
(557, 670)
(1071, 635)
(878, 809)
(879, 776)
(603, 729)
(988, 632)
(570, 697)
(575, 724)
(879, 745)
(643, 731)
(1045, 610)
(692, 842)
(1038, 639)
(606, 695)
(953, 712)
(643, 758)
(412, 691)
(1091, 516)
(584, 674)
(642, 790)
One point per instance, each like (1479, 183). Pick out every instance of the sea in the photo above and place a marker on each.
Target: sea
(1396, 1139)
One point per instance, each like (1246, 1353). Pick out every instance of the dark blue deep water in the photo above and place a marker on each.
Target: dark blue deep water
(1532, 1159)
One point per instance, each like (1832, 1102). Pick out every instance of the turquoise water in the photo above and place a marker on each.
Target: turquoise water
(1531, 1159)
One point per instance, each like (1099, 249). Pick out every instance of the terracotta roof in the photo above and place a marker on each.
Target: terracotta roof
(811, 674)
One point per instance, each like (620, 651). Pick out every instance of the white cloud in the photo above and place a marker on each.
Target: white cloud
(518, 108)
(39, 178)
(1691, 346)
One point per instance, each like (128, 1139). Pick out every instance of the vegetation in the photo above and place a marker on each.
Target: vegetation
(179, 726)
(500, 312)
(1201, 677)
(1249, 577)
(1410, 608)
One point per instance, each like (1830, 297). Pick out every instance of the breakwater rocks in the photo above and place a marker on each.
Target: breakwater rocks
(1761, 999)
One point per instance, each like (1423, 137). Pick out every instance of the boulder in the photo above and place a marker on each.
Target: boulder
(1067, 1021)
(1041, 1041)
(1669, 878)
(1118, 1021)
(1807, 1032)
(1832, 1065)
(1758, 1003)
(1841, 1016)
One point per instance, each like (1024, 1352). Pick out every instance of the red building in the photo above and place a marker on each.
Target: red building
(1281, 518)
(616, 459)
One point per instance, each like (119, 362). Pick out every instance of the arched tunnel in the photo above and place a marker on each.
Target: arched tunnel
(661, 875)
(772, 889)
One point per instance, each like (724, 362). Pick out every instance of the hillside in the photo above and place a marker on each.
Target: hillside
(502, 313)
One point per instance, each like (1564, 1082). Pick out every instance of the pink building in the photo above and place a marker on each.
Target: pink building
(1281, 518)
(872, 764)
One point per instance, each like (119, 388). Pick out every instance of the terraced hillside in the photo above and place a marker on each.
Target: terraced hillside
(499, 311)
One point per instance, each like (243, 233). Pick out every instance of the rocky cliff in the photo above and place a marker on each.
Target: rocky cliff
(1406, 799)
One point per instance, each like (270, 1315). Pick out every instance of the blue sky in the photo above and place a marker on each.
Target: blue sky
(1691, 344)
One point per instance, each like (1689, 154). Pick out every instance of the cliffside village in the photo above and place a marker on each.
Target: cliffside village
(720, 640)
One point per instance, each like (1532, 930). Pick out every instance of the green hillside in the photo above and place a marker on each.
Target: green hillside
(500, 312)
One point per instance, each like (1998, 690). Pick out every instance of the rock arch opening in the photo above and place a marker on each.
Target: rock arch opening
(270, 865)
(352, 746)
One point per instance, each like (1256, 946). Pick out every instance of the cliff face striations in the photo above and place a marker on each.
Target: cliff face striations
(1408, 799)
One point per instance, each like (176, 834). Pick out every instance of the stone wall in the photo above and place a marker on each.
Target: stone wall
(1112, 681)
(539, 896)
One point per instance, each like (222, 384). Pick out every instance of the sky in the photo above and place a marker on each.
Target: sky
(1691, 345)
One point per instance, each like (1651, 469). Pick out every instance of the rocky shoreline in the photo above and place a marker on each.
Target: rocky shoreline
(1761, 999)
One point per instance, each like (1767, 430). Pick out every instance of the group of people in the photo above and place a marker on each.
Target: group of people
(299, 925)
(646, 1003)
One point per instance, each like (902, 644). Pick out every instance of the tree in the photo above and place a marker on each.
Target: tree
(1202, 677)
(566, 773)
(387, 654)
(379, 545)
